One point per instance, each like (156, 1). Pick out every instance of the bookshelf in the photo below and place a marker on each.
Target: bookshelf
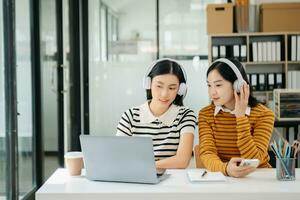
(271, 60)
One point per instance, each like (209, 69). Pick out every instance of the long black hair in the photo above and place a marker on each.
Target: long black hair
(228, 74)
(167, 67)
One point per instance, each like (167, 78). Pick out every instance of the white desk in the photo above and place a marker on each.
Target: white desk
(261, 184)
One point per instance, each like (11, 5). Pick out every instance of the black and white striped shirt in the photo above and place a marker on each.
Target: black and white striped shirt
(164, 130)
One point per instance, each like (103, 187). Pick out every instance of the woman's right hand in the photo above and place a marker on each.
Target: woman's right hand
(233, 169)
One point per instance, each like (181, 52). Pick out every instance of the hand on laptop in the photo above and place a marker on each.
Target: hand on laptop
(160, 171)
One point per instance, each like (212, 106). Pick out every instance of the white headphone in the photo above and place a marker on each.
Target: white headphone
(147, 79)
(240, 81)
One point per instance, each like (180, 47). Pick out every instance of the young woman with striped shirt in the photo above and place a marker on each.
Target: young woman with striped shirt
(235, 125)
(163, 116)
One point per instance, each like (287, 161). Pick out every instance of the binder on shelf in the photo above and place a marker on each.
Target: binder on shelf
(236, 52)
(253, 78)
(293, 48)
(243, 53)
(294, 82)
(215, 52)
(259, 51)
(290, 77)
(298, 48)
(248, 77)
(269, 51)
(298, 80)
(269, 54)
(271, 81)
(273, 56)
(278, 51)
(261, 82)
(222, 51)
(254, 51)
(264, 51)
(279, 80)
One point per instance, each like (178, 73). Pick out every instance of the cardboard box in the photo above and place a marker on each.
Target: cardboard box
(279, 17)
(219, 18)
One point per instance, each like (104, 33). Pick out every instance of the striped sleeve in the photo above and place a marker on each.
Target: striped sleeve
(255, 145)
(188, 122)
(208, 151)
(125, 124)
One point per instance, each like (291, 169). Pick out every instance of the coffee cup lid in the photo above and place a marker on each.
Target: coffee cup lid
(74, 154)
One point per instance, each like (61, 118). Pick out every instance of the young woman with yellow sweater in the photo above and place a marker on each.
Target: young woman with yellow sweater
(235, 125)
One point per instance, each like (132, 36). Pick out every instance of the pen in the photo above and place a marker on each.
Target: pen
(204, 173)
(275, 150)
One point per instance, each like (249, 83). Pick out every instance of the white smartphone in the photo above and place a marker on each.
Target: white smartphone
(250, 162)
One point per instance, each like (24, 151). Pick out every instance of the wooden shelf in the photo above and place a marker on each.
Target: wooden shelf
(280, 42)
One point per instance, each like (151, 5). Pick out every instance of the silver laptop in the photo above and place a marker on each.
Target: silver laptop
(120, 159)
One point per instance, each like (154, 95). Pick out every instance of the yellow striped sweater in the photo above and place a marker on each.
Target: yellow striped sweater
(224, 136)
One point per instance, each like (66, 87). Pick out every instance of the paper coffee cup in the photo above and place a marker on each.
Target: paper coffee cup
(74, 162)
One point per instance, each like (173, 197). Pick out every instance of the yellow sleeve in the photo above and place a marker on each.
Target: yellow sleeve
(208, 151)
(255, 145)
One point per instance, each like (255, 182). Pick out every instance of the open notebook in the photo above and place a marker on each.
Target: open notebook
(195, 175)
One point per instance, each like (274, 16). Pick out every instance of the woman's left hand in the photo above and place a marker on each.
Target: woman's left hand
(241, 100)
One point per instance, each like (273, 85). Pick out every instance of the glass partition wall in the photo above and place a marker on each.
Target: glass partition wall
(2, 114)
(17, 155)
(122, 47)
(24, 97)
(182, 36)
(182, 29)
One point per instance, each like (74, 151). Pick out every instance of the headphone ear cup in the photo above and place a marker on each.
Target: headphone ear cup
(147, 83)
(182, 89)
(236, 86)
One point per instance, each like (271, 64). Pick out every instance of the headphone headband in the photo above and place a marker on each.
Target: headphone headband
(240, 80)
(147, 79)
(166, 59)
